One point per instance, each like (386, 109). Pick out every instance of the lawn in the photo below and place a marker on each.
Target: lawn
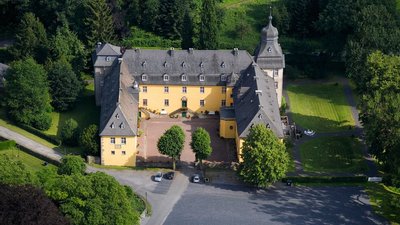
(333, 154)
(320, 107)
(385, 202)
(32, 163)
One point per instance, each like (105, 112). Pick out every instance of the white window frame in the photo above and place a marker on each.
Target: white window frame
(166, 89)
(144, 89)
(112, 140)
(202, 90)
(108, 58)
(166, 102)
(275, 73)
(184, 89)
(276, 85)
(202, 103)
(223, 77)
(165, 77)
(184, 77)
(144, 77)
(123, 141)
(202, 78)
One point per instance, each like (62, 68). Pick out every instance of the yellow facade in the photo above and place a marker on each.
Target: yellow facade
(116, 153)
(155, 97)
(227, 128)
(239, 145)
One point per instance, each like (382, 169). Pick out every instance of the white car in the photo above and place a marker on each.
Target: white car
(196, 178)
(158, 177)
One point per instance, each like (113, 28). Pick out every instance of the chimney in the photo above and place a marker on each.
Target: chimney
(190, 50)
(171, 51)
(235, 51)
(137, 50)
(258, 92)
(120, 59)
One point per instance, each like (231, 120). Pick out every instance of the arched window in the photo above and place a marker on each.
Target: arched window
(165, 77)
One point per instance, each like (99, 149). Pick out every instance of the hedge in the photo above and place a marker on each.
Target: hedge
(51, 139)
(326, 179)
(4, 145)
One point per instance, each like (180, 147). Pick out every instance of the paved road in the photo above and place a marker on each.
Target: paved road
(227, 204)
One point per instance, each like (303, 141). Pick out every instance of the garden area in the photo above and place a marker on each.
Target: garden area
(385, 201)
(334, 155)
(320, 107)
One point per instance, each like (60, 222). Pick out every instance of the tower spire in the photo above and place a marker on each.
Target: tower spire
(270, 14)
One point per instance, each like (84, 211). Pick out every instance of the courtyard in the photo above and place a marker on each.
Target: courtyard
(152, 130)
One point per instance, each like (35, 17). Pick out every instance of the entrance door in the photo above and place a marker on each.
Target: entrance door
(184, 114)
(184, 103)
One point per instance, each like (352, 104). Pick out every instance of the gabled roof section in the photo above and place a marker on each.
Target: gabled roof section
(108, 50)
(211, 64)
(119, 108)
(255, 102)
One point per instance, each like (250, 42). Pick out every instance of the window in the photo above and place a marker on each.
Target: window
(231, 127)
(122, 125)
(275, 72)
(202, 90)
(144, 77)
(184, 77)
(166, 89)
(269, 49)
(223, 77)
(123, 152)
(112, 140)
(112, 152)
(166, 77)
(166, 102)
(201, 78)
(276, 85)
(117, 116)
(108, 58)
(202, 103)
(112, 125)
(223, 65)
(223, 90)
(123, 141)
(144, 64)
(144, 102)
(184, 89)
(144, 88)
(223, 102)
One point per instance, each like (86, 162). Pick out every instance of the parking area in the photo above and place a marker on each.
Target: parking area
(223, 149)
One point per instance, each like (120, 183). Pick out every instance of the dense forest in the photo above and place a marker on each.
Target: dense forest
(54, 37)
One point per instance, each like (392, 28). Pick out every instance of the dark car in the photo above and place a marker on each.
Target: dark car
(170, 175)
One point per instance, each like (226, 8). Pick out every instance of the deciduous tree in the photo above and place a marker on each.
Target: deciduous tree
(171, 143)
(27, 96)
(14, 172)
(265, 159)
(70, 132)
(201, 144)
(72, 164)
(89, 139)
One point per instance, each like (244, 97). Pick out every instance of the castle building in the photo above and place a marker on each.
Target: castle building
(243, 89)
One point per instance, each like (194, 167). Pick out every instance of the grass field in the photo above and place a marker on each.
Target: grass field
(386, 203)
(333, 154)
(320, 107)
(32, 163)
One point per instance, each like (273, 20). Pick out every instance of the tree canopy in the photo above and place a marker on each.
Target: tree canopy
(209, 25)
(89, 140)
(27, 96)
(14, 172)
(201, 144)
(72, 164)
(171, 143)
(265, 159)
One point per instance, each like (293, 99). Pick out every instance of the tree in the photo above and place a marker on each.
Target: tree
(209, 25)
(380, 108)
(201, 144)
(170, 18)
(149, 14)
(72, 164)
(14, 172)
(66, 45)
(64, 85)
(171, 143)
(30, 39)
(27, 97)
(93, 199)
(265, 159)
(69, 132)
(187, 31)
(89, 139)
(28, 205)
(99, 22)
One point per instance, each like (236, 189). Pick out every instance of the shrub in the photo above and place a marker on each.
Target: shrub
(71, 164)
(89, 140)
(69, 132)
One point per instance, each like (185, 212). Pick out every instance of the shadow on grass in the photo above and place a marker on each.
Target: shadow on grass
(320, 124)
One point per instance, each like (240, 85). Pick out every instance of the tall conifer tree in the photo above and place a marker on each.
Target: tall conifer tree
(99, 22)
(209, 25)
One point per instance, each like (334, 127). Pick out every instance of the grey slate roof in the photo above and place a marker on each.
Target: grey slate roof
(256, 103)
(3, 69)
(106, 54)
(211, 63)
(119, 109)
(268, 54)
(227, 113)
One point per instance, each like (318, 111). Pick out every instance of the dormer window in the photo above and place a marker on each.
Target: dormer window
(108, 58)
(269, 49)
(165, 64)
(223, 77)
(122, 126)
(223, 65)
(202, 65)
(144, 64)
(201, 77)
(144, 77)
(112, 125)
(165, 77)
(183, 64)
(117, 116)
(184, 77)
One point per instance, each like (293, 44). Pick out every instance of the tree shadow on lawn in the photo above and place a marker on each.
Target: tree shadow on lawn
(320, 124)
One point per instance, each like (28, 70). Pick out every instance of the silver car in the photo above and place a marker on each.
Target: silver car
(196, 178)
(158, 177)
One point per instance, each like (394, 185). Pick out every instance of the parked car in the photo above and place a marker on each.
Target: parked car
(196, 178)
(170, 175)
(158, 177)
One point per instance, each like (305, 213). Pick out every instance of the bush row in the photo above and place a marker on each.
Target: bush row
(4, 145)
(326, 179)
(49, 138)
